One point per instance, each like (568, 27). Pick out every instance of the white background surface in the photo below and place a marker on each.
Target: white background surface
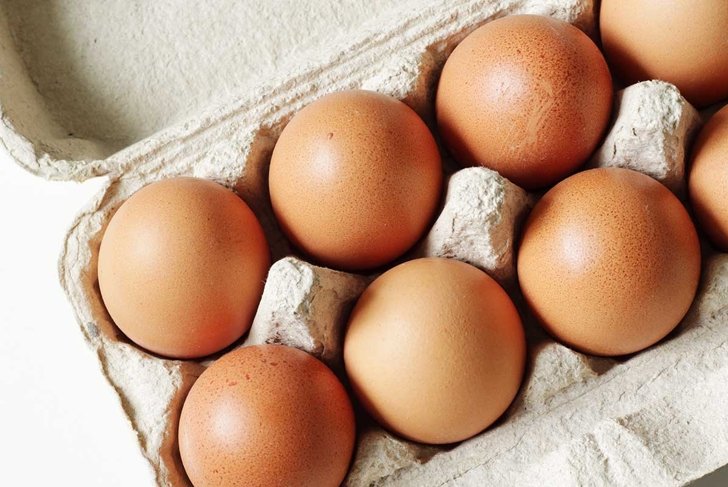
(61, 423)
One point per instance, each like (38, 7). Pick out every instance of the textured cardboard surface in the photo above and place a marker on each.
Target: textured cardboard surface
(650, 125)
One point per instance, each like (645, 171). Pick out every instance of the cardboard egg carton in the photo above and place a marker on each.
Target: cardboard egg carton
(657, 418)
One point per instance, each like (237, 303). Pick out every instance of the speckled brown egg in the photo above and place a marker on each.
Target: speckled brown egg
(267, 415)
(684, 42)
(527, 96)
(435, 350)
(355, 179)
(609, 261)
(708, 179)
(181, 267)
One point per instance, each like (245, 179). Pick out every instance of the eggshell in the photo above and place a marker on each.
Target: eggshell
(181, 267)
(267, 415)
(355, 179)
(684, 42)
(708, 181)
(435, 350)
(527, 96)
(609, 261)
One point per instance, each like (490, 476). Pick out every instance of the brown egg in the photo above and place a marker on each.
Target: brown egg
(435, 350)
(355, 179)
(708, 180)
(181, 267)
(267, 415)
(527, 96)
(684, 42)
(609, 261)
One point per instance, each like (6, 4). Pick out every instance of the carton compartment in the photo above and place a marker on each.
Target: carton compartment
(116, 72)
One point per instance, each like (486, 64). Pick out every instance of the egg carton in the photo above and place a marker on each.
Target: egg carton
(659, 417)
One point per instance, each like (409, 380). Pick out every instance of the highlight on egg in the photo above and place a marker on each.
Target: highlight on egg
(527, 96)
(708, 179)
(181, 267)
(435, 350)
(267, 415)
(683, 42)
(355, 179)
(609, 261)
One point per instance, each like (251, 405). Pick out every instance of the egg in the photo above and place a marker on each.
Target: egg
(609, 261)
(266, 415)
(683, 42)
(181, 267)
(708, 179)
(435, 350)
(355, 179)
(527, 96)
